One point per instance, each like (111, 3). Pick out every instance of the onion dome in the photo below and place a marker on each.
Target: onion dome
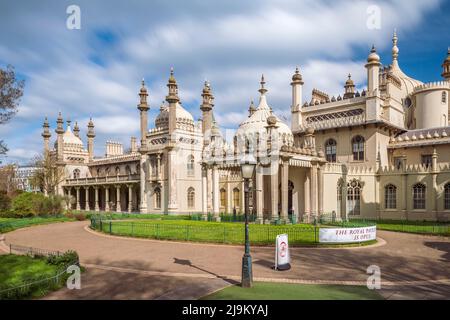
(297, 77)
(69, 138)
(373, 56)
(183, 117)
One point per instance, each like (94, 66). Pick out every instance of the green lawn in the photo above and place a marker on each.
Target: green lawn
(15, 270)
(202, 231)
(7, 225)
(288, 291)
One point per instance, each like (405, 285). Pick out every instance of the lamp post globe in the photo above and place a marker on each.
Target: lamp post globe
(248, 164)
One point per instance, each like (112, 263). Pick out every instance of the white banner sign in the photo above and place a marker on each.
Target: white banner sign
(282, 257)
(339, 235)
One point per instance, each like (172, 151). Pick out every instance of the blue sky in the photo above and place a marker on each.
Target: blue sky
(96, 71)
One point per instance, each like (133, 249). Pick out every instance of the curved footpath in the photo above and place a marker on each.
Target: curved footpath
(412, 266)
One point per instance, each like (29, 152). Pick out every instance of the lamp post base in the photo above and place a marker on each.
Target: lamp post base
(247, 274)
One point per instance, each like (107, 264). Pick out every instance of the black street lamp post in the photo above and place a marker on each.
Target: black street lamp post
(248, 165)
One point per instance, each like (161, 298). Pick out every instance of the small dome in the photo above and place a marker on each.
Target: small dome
(182, 116)
(349, 81)
(70, 138)
(297, 76)
(373, 56)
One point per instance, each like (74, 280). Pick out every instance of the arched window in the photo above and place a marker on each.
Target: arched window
(390, 196)
(157, 198)
(353, 197)
(236, 198)
(444, 97)
(447, 196)
(223, 197)
(191, 198)
(76, 174)
(419, 194)
(128, 170)
(117, 170)
(358, 148)
(99, 172)
(190, 165)
(330, 150)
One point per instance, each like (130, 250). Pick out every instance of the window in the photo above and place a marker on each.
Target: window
(117, 170)
(157, 198)
(76, 174)
(390, 196)
(99, 172)
(236, 198)
(444, 97)
(353, 197)
(330, 150)
(358, 148)
(128, 170)
(223, 197)
(191, 198)
(427, 160)
(398, 162)
(190, 165)
(107, 170)
(447, 196)
(419, 191)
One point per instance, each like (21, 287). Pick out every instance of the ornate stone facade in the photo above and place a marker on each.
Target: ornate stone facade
(380, 153)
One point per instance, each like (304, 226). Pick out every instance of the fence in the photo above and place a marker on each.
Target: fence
(226, 233)
(37, 283)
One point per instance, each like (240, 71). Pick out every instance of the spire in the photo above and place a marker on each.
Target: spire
(59, 124)
(446, 66)
(90, 133)
(172, 97)
(46, 132)
(143, 94)
(349, 88)
(68, 123)
(262, 99)
(395, 48)
(262, 90)
(76, 129)
(208, 98)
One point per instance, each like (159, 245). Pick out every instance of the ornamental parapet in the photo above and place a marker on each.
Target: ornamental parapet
(132, 178)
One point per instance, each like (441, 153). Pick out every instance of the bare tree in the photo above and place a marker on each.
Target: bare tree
(7, 182)
(48, 175)
(11, 90)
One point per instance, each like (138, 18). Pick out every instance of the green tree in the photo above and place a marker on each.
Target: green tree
(11, 90)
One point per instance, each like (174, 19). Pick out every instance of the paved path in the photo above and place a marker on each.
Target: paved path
(412, 266)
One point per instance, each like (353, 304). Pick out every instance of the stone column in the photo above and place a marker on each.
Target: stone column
(204, 192)
(172, 181)
(259, 195)
(209, 189)
(77, 198)
(118, 206)
(143, 204)
(320, 190)
(107, 198)
(314, 190)
(274, 193)
(97, 208)
(86, 192)
(216, 192)
(130, 197)
(284, 190)
(307, 198)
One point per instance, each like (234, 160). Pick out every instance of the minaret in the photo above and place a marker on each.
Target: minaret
(46, 135)
(90, 135)
(143, 108)
(76, 130)
(251, 109)
(349, 88)
(172, 98)
(373, 69)
(297, 86)
(446, 67)
(59, 131)
(206, 108)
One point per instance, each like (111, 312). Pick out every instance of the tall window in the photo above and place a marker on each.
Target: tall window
(223, 197)
(427, 160)
(190, 165)
(117, 170)
(330, 150)
(157, 198)
(76, 174)
(236, 198)
(447, 196)
(444, 97)
(128, 170)
(398, 162)
(191, 198)
(390, 196)
(358, 148)
(99, 172)
(353, 198)
(419, 193)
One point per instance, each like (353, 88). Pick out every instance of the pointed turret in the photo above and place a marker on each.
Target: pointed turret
(90, 135)
(46, 135)
(251, 109)
(206, 108)
(143, 111)
(173, 99)
(59, 131)
(76, 130)
(297, 92)
(446, 67)
(349, 88)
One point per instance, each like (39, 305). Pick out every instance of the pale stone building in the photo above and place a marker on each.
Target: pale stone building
(380, 153)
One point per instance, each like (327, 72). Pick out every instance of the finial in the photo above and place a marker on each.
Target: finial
(394, 46)
(296, 70)
(373, 49)
(349, 76)
(262, 90)
(68, 122)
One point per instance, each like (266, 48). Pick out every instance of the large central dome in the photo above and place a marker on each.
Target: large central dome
(257, 122)
(183, 117)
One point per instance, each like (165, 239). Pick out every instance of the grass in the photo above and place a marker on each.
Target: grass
(289, 291)
(202, 231)
(7, 225)
(16, 270)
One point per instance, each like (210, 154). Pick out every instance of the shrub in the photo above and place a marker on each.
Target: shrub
(80, 217)
(5, 201)
(36, 204)
(64, 259)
